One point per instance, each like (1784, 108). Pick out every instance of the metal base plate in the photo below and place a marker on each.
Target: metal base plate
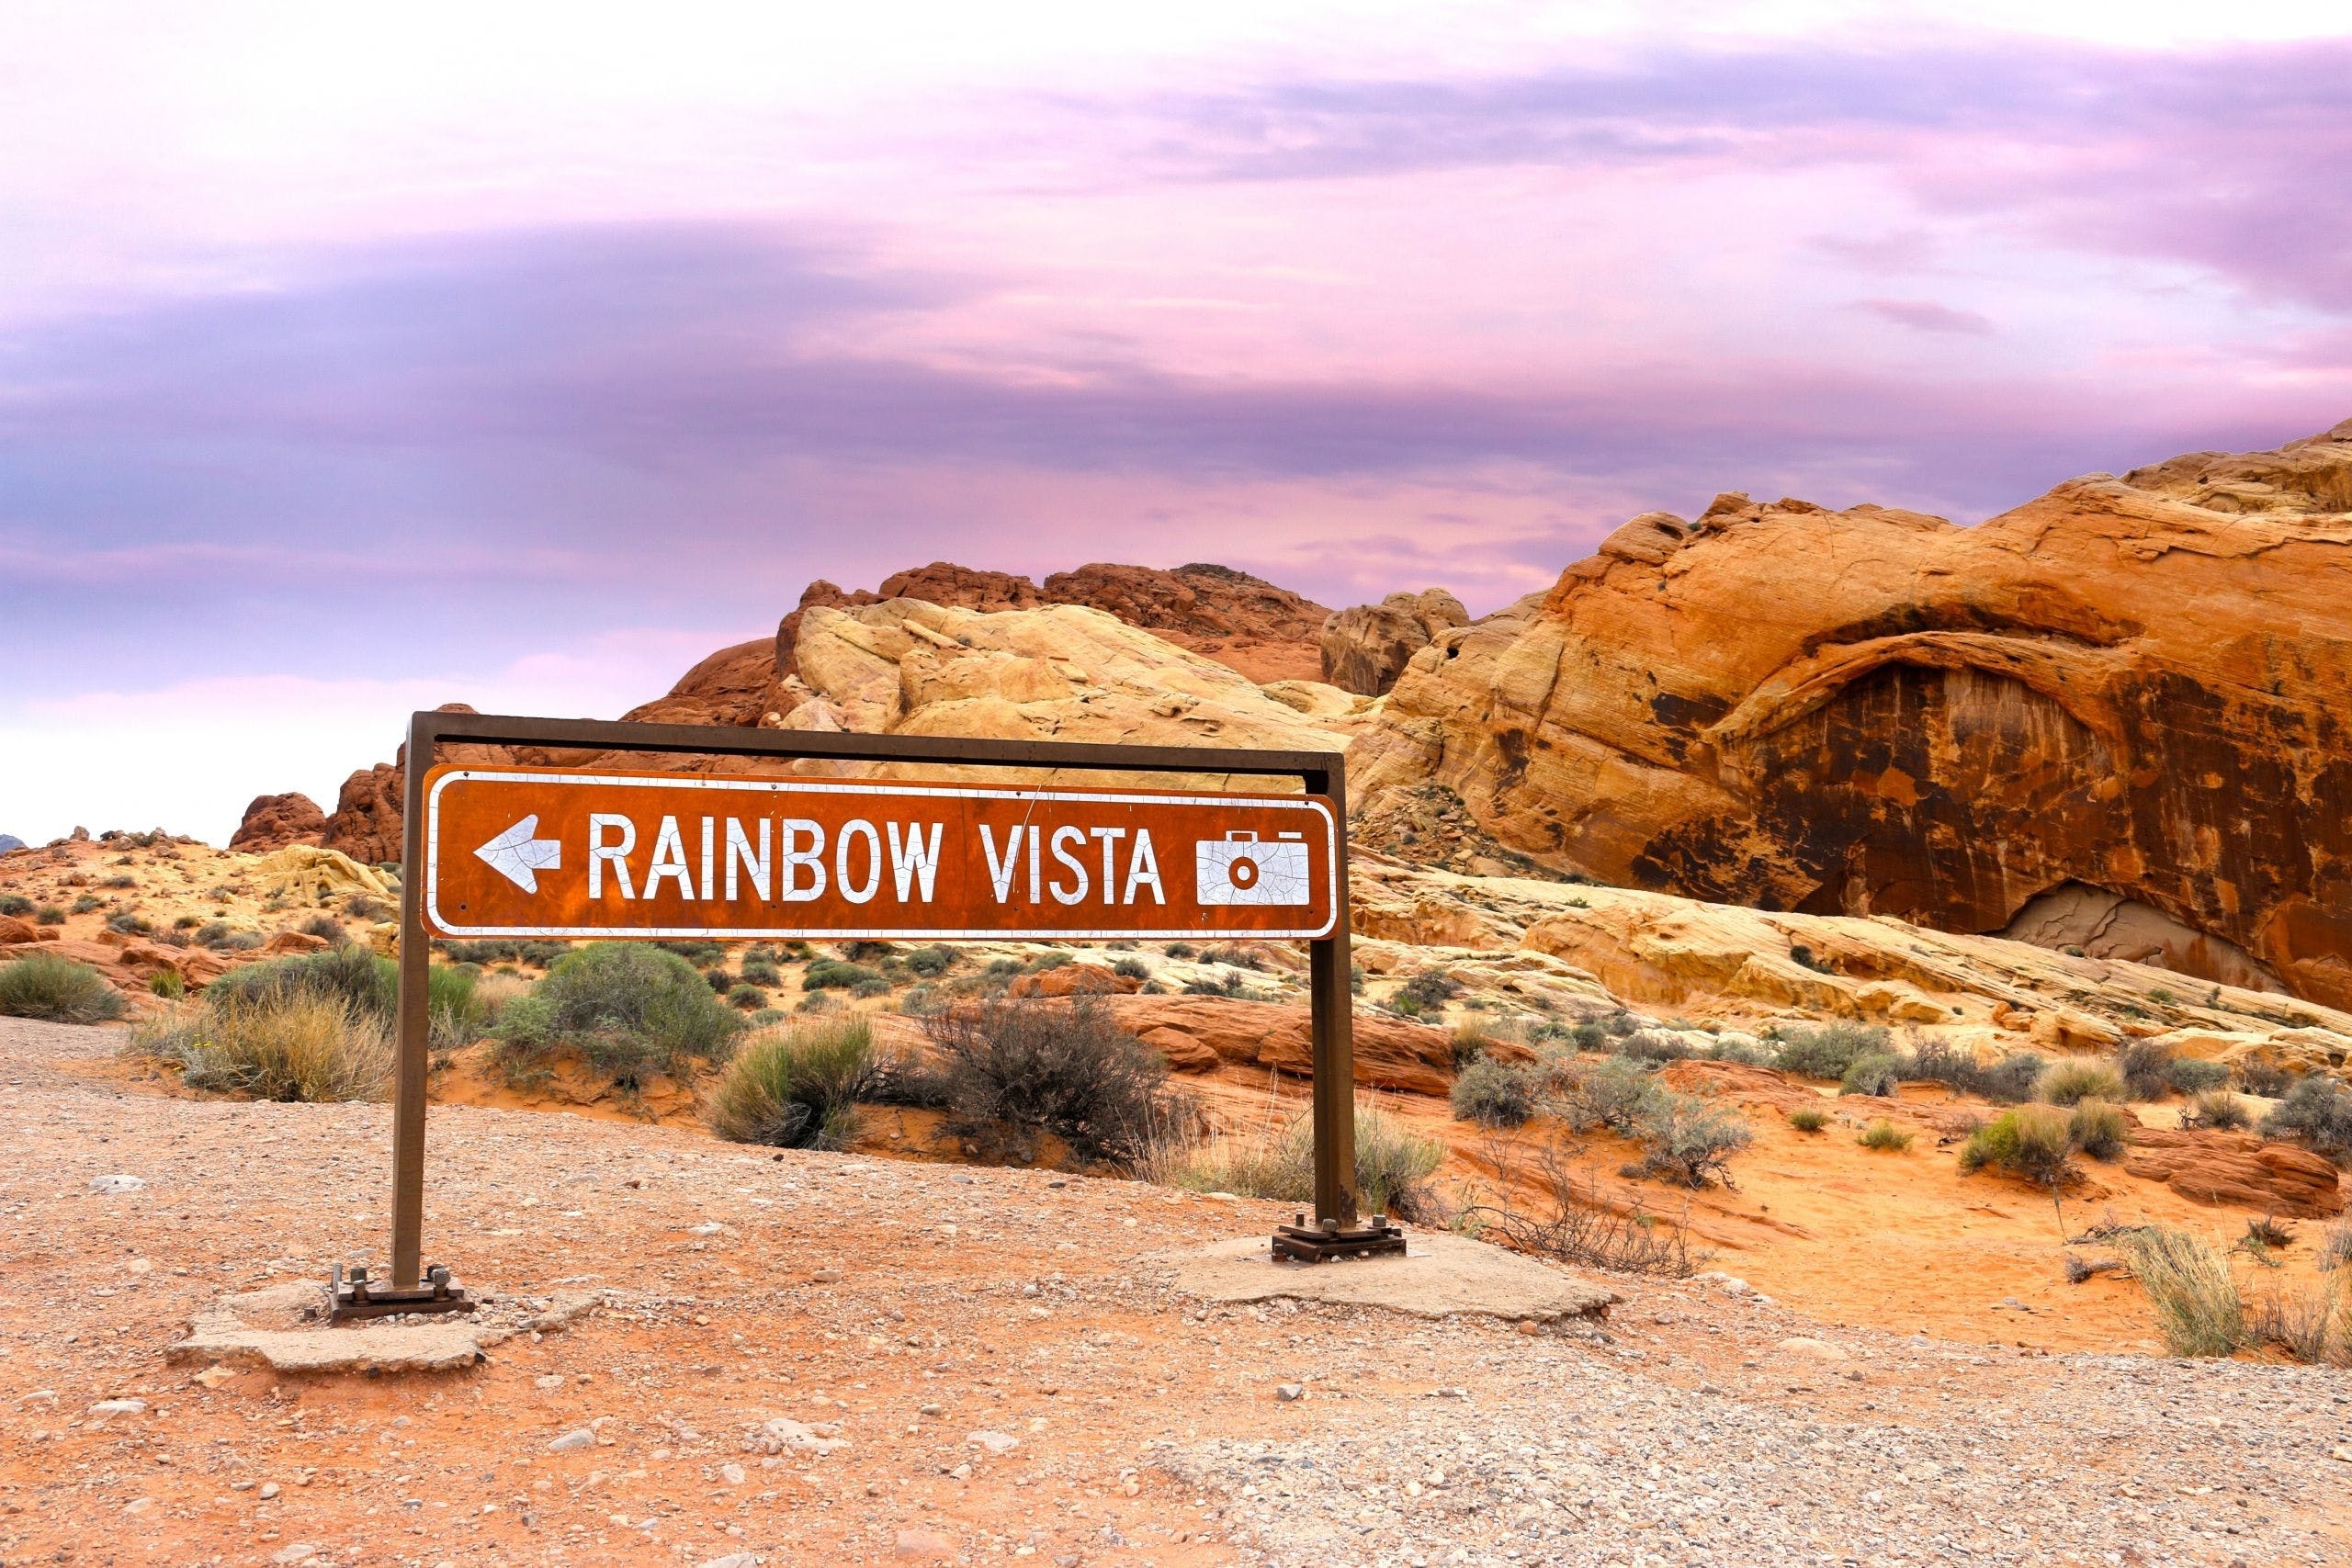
(1312, 1244)
(361, 1297)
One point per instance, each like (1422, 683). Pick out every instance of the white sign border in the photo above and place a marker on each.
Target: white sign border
(891, 934)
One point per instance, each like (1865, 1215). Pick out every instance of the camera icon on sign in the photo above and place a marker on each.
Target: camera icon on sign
(1241, 868)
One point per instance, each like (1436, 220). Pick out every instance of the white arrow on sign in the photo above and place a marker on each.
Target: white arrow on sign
(519, 856)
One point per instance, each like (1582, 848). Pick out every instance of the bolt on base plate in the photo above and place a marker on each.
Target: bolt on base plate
(358, 1296)
(1325, 1241)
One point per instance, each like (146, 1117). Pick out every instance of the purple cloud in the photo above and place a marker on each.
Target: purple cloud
(1925, 316)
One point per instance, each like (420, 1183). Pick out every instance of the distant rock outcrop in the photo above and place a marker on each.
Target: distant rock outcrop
(274, 821)
(10, 841)
(2136, 685)
(1364, 650)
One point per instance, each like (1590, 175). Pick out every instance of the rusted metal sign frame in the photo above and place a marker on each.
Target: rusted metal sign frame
(1329, 966)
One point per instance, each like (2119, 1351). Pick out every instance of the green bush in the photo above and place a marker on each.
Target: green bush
(1885, 1135)
(15, 904)
(49, 915)
(2069, 1082)
(931, 962)
(2219, 1108)
(1133, 968)
(834, 974)
(1808, 1119)
(2198, 1309)
(1877, 1075)
(1690, 1138)
(167, 984)
(57, 990)
(1827, 1051)
(129, 924)
(1012, 1069)
(798, 1089)
(1493, 1095)
(365, 983)
(2144, 1068)
(762, 972)
(86, 902)
(2317, 1113)
(2099, 1129)
(2032, 1141)
(1655, 1047)
(2193, 1075)
(750, 999)
(1429, 989)
(630, 1009)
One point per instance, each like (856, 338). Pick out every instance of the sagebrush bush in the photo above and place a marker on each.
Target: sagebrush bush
(1613, 1094)
(1886, 1136)
(797, 1088)
(1826, 1050)
(762, 972)
(2144, 1068)
(1429, 989)
(365, 983)
(57, 990)
(1655, 1047)
(1014, 1068)
(2068, 1082)
(1690, 1138)
(1877, 1075)
(2267, 1079)
(2193, 1075)
(2099, 1129)
(630, 1009)
(2032, 1141)
(1493, 1095)
(933, 961)
(2218, 1108)
(1808, 1119)
(300, 1045)
(2317, 1113)
(832, 975)
(15, 904)
(2199, 1310)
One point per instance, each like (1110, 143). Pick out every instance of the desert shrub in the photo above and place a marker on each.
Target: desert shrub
(2099, 1129)
(701, 954)
(364, 907)
(1827, 1050)
(1877, 1075)
(2011, 1080)
(717, 980)
(120, 881)
(49, 915)
(15, 904)
(2068, 1082)
(2267, 1079)
(130, 924)
(797, 1089)
(933, 961)
(168, 983)
(2032, 1141)
(1133, 968)
(1429, 989)
(57, 990)
(188, 923)
(1738, 1048)
(1808, 1119)
(1180, 950)
(1690, 1138)
(832, 975)
(1804, 958)
(2199, 1310)
(365, 983)
(1589, 1036)
(1619, 1023)
(865, 951)
(1393, 1164)
(628, 1009)
(297, 1045)
(1014, 1068)
(2309, 1322)
(750, 999)
(213, 933)
(1493, 1095)
(325, 928)
(2216, 1108)
(2194, 1075)
(2336, 1247)
(1655, 1047)
(1239, 957)
(2316, 1113)
(878, 987)
(1885, 1135)
(2144, 1068)
(762, 972)
(1615, 1094)
(84, 903)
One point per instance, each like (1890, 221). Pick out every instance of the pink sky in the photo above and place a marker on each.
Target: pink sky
(350, 360)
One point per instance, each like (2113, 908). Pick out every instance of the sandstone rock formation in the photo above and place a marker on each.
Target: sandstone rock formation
(274, 821)
(1365, 649)
(736, 685)
(1266, 633)
(1058, 671)
(2134, 685)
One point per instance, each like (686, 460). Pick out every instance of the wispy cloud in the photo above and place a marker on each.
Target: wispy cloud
(1925, 316)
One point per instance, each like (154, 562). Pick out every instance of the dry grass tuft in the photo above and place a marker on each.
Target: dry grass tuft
(304, 1046)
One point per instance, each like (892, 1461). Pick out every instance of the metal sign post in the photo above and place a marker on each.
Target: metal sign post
(546, 852)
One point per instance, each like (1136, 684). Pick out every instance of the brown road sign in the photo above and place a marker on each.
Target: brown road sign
(531, 852)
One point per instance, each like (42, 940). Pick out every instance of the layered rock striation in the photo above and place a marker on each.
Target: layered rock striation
(2135, 686)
